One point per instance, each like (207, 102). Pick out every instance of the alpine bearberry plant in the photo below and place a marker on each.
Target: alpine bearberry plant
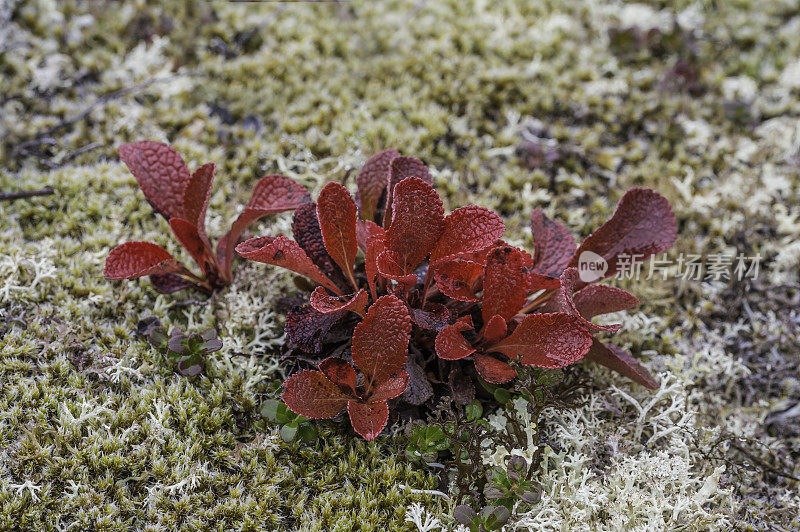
(182, 197)
(444, 302)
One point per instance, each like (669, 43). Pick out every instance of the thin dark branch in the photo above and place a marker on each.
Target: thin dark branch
(21, 194)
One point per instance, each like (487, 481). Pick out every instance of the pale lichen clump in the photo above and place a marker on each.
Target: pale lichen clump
(514, 105)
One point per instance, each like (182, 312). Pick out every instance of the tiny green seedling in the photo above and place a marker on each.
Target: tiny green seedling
(293, 426)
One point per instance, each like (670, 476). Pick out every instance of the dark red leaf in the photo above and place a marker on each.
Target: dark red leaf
(161, 173)
(400, 169)
(462, 391)
(562, 301)
(326, 303)
(306, 232)
(375, 246)
(419, 387)
(597, 299)
(137, 259)
(336, 212)
(307, 328)
(505, 283)
(272, 194)
(434, 317)
(389, 388)
(643, 224)
(169, 283)
(280, 251)
(547, 341)
(450, 343)
(193, 242)
(389, 266)
(458, 279)
(341, 373)
(417, 224)
(196, 196)
(372, 181)
(311, 394)
(619, 360)
(537, 281)
(553, 242)
(368, 419)
(493, 370)
(365, 230)
(495, 329)
(380, 341)
(467, 230)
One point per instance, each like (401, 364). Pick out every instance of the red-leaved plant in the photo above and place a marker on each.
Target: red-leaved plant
(379, 350)
(181, 197)
(473, 300)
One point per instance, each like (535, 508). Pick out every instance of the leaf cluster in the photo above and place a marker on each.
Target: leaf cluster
(186, 350)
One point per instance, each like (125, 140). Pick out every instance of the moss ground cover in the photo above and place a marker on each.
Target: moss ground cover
(514, 106)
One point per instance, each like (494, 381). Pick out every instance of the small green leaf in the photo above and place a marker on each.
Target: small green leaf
(502, 396)
(531, 496)
(190, 366)
(307, 432)
(494, 517)
(158, 337)
(517, 468)
(474, 410)
(269, 409)
(464, 514)
(282, 414)
(288, 432)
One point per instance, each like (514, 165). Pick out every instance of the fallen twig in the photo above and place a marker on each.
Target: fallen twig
(21, 194)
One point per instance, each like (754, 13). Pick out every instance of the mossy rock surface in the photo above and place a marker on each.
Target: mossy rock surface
(514, 105)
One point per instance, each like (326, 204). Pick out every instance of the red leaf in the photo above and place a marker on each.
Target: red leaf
(375, 246)
(372, 181)
(280, 251)
(505, 283)
(137, 259)
(458, 279)
(553, 242)
(493, 370)
(336, 212)
(537, 281)
(619, 360)
(311, 394)
(341, 373)
(417, 224)
(401, 168)
(547, 341)
(390, 388)
(161, 173)
(307, 328)
(562, 301)
(380, 341)
(597, 299)
(495, 329)
(193, 242)
(643, 224)
(450, 343)
(306, 232)
(388, 264)
(325, 303)
(434, 317)
(368, 419)
(169, 283)
(196, 196)
(271, 195)
(365, 230)
(466, 230)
